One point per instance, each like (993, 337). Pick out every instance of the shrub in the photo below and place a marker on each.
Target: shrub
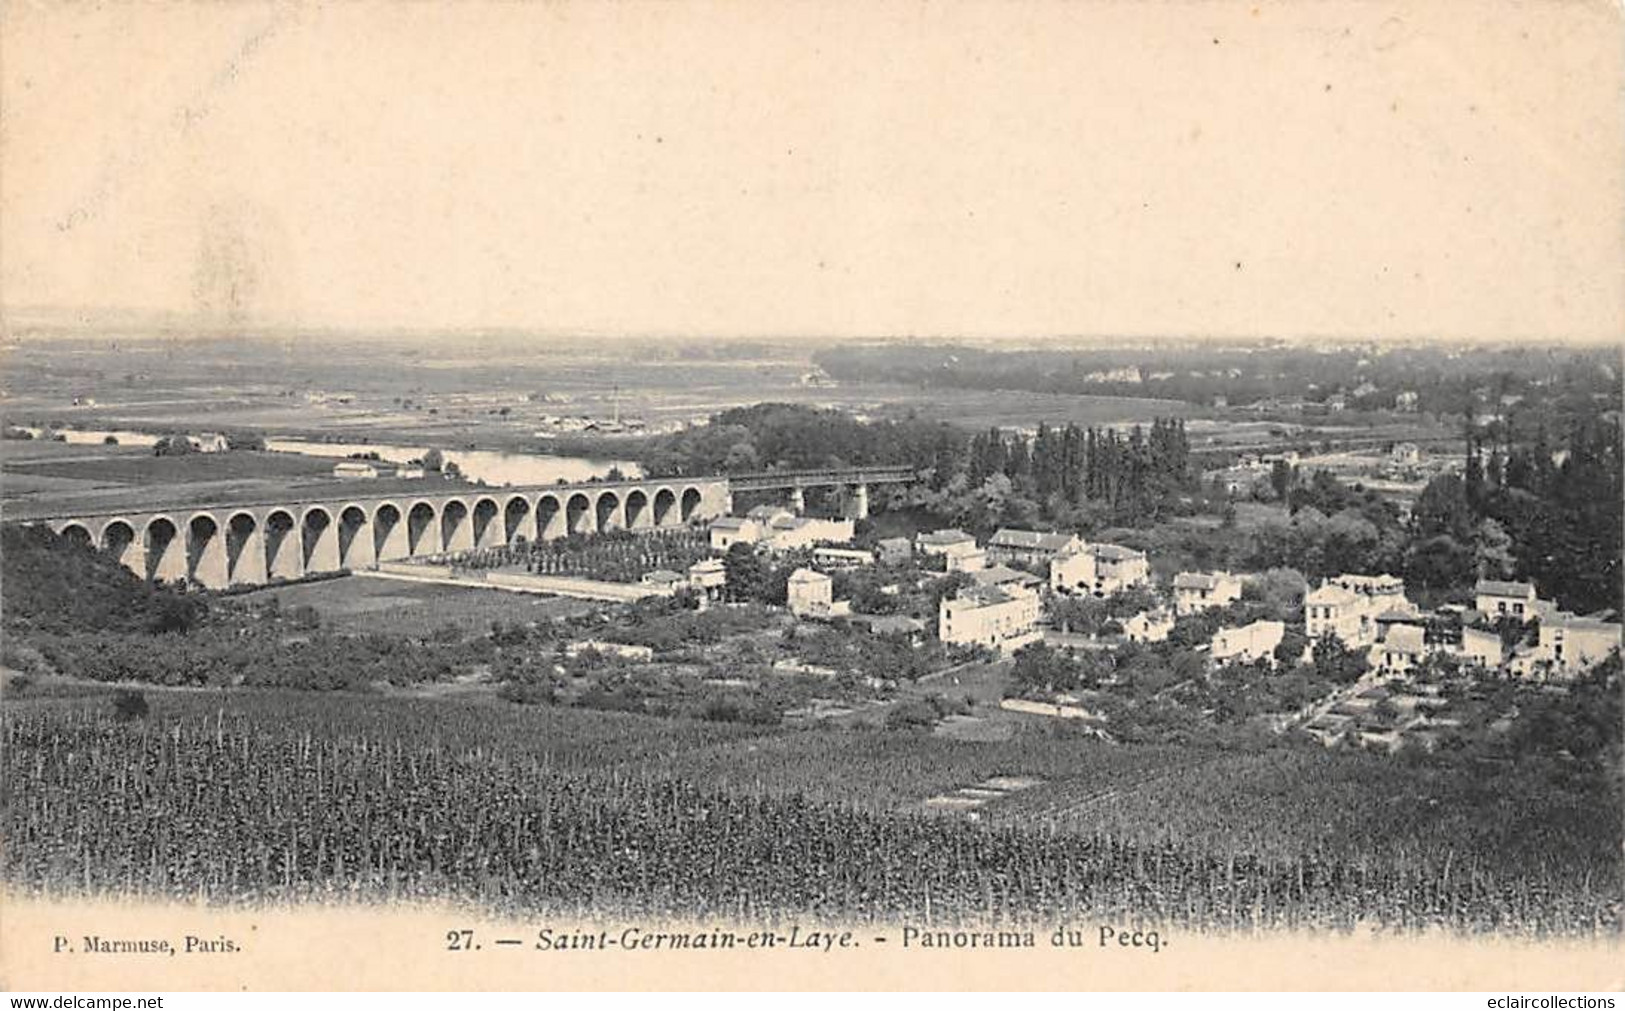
(129, 704)
(913, 715)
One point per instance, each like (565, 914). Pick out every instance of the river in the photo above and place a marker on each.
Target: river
(494, 467)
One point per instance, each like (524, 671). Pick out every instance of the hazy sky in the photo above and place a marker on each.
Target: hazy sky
(822, 168)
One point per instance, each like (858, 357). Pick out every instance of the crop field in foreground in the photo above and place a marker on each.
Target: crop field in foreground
(262, 796)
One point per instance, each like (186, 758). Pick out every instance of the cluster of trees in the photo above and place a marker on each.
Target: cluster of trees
(888, 657)
(1071, 477)
(181, 445)
(221, 656)
(795, 437)
(1559, 504)
(1532, 509)
(1129, 478)
(1444, 383)
(1169, 693)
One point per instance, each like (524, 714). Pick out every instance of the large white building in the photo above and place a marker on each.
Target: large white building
(1031, 547)
(778, 529)
(1568, 644)
(1247, 643)
(1347, 607)
(1148, 626)
(1004, 618)
(1198, 591)
(1101, 569)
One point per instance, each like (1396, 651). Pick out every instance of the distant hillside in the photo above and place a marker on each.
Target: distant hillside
(55, 584)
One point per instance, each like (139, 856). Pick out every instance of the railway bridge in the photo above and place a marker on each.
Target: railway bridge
(796, 482)
(227, 544)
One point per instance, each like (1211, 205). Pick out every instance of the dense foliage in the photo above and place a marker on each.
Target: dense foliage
(1444, 384)
(58, 584)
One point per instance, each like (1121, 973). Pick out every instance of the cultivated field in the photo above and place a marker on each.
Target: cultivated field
(397, 607)
(143, 468)
(268, 797)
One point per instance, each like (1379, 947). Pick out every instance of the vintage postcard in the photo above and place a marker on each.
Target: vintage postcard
(805, 495)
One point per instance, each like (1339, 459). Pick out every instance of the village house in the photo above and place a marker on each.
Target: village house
(969, 561)
(1028, 547)
(1480, 648)
(409, 470)
(959, 550)
(1100, 569)
(709, 576)
(1568, 644)
(1347, 606)
(1003, 618)
(726, 531)
(1495, 597)
(1247, 643)
(1400, 647)
(1198, 591)
(777, 529)
(1406, 401)
(1149, 626)
(1242, 479)
(811, 594)
(787, 533)
(353, 469)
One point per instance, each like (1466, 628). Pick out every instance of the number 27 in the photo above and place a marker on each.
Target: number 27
(459, 940)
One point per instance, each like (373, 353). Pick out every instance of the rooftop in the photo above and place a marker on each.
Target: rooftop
(945, 537)
(1001, 574)
(1329, 593)
(1200, 580)
(886, 624)
(1404, 637)
(984, 596)
(1503, 588)
(1114, 552)
(1361, 583)
(1037, 540)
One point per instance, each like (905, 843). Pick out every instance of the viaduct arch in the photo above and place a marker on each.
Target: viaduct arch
(253, 544)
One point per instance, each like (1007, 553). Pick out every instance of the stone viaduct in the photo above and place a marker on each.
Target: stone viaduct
(254, 543)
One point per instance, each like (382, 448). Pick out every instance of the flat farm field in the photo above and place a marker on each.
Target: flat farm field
(143, 468)
(398, 607)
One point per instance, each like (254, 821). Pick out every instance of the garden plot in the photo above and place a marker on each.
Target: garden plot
(969, 798)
